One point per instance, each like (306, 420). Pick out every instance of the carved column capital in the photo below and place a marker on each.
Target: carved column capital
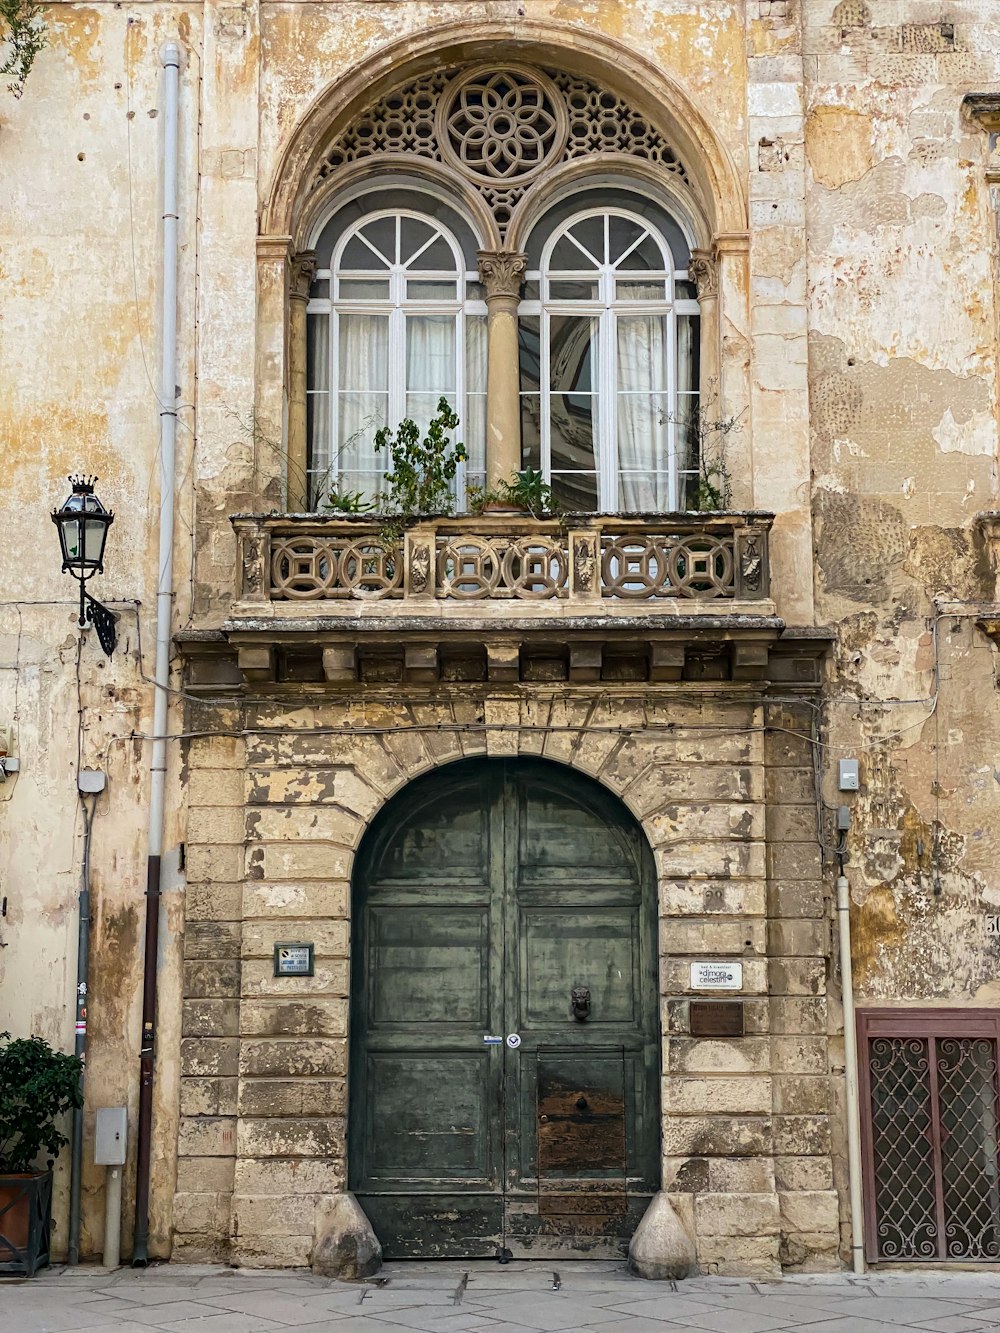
(302, 270)
(705, 272)
(502, 273)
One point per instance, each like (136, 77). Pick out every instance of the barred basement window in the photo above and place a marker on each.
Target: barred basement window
(929, 1123)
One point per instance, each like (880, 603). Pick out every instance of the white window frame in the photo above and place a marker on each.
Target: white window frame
(606, 310)
(397, 308)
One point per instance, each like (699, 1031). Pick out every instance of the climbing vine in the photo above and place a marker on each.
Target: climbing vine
(22, 35)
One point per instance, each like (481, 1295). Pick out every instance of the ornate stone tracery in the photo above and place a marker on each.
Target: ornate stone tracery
(502, 125)
(500, 129)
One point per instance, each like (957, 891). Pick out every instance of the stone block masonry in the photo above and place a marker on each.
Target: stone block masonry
(745, 1120)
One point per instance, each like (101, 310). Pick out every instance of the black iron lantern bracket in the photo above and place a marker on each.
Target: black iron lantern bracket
(83, 525)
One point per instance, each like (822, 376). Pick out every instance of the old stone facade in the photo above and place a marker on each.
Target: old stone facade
(821, 180)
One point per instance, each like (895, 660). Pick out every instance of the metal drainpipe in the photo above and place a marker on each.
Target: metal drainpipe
(851, 1075)
(80, 1045)
(171, 59)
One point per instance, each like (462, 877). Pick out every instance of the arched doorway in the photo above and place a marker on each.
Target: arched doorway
(504, 1088)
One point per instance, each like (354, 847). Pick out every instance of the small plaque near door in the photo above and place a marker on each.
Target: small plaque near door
(716, 976)
(716, 1018)
(293, 960)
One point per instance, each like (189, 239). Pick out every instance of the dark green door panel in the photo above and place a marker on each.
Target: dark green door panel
(485, 894)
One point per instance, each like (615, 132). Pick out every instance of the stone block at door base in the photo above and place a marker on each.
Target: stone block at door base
(661, 1249)
(345, 1246)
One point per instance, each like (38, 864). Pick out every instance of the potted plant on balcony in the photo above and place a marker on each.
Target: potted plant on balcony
(527, 493)
(422, 468)
(37, 1086)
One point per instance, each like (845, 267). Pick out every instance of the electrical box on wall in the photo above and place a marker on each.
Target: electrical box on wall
(111, 1136)
(847, 775)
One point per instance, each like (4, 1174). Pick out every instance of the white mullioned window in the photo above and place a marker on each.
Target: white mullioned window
(396, 321)
(609, 342)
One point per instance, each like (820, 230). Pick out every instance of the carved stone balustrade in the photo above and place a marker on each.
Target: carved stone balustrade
(629, 565)
(495, 601)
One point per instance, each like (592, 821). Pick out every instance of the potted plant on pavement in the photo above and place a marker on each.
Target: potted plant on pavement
(37, 1086)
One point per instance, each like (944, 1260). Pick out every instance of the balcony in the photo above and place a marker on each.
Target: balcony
(509, 564)
(499, 599)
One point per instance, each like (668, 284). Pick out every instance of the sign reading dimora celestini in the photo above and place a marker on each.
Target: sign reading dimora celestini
(716, 976)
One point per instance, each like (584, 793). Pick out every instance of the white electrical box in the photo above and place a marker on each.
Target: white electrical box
(847, 774)
(111, 1136)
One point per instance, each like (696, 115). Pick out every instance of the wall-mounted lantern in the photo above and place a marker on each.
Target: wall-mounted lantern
(83, 524)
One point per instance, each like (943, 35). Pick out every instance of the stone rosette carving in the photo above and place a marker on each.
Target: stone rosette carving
(502, 125)
(500, 131)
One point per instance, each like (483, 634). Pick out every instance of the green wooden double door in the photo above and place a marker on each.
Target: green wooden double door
(504, 1087)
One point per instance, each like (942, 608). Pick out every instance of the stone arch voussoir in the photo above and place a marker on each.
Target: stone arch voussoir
(652, 90)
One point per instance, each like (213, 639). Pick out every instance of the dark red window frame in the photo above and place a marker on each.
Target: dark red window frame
(930, 1026)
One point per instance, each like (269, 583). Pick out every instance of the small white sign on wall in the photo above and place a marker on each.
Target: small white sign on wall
(716, 976)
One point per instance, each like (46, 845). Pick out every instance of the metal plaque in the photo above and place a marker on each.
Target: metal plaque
(716, 1018)
(716, 976)
(293, 960)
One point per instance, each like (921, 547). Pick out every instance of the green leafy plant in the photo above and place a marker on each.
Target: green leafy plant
(348, 502)
(529, 491)
(37, 1085)
(423, 467)
(707, 433)
(22, 36)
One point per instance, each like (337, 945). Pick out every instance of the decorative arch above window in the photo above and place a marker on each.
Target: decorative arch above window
(560, 314)
(500, 130)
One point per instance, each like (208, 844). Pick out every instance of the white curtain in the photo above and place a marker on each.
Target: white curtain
(472, 431)
(642, 410)
(430, 365)
(364, 366)
(318, 405)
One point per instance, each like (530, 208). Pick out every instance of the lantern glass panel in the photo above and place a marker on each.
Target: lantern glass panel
(94, 536)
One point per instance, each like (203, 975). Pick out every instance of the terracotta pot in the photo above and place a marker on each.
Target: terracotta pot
(502, 507)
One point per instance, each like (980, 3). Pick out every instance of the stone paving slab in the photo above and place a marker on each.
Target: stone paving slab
(514, 1298)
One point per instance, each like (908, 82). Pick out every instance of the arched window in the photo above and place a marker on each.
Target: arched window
(608, 357)
(396, 321)
(609, 342)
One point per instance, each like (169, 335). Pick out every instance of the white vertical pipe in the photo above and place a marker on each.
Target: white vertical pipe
(168, 446)
(171, 58)
(851, 1077)
(112, 1216)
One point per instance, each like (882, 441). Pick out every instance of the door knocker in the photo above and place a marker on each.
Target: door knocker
(580, 1001)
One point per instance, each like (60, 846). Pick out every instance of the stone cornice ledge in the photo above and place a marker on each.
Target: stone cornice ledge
(984, 109)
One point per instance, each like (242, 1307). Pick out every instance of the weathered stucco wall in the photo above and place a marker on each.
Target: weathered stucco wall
(903, 393)
(861, 333)
(79, 233)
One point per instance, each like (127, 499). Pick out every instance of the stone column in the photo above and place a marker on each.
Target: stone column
(270, 368)
(303, 267)
(705, 273)
(502, 273)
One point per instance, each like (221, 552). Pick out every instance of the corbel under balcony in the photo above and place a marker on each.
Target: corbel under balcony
(499, 599)
(984, 110)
